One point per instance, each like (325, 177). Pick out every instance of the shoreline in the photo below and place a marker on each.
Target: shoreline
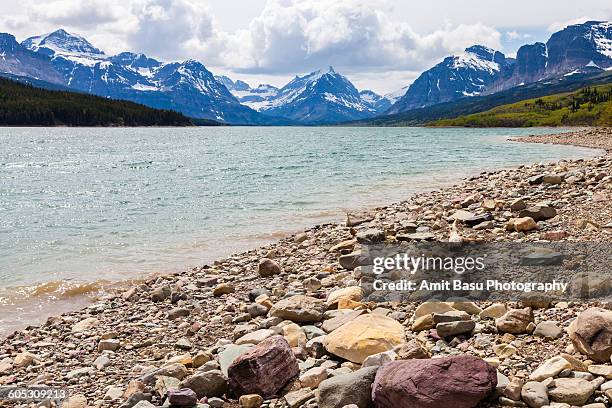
(84, 293)
(215, 302)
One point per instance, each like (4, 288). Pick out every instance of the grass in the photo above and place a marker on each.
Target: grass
(590, 106)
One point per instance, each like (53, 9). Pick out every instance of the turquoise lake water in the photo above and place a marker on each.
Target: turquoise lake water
(83, 205)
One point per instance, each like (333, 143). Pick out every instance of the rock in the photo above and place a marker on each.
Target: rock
(591, 334)
(346, 389)
(524, 224)
(535, 394)
(255, 293)
(230, 353)
(353, 220)
(542, 257)
(535, 179)
(140, 404)
(263, 370)
(345, 317)
(207, 384)
(548, 330)
(458, 382)
(462, 215)
(601, 370)
(513, 389)
(425, 322)
(515, 321)
(113, 393)
(178, 312)
(76, 401)
(223, 289)
(366, 335)
(23, 359)
(160, 294)
(449, 329)
(85, 325)
(109, 345)
(354, 293)
(352, 260)
(251, 401)
(538, 212)
(370, 236)
(184, 397)
(6, 366)
(477, 219)
(552, 179)
(432, 307)
(468, 307)
(550, 368)
(379, 359)
(312, 284)
(215, 402)
(313, 377)
(412, 349)
(494, 311)
(256, 310)
(255, 337)
(297, 398)
(518, 205)
(573, 391)
(299, 309)
(295, 335)
(268, 267)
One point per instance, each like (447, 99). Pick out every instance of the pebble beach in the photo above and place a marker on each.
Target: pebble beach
(289, 324)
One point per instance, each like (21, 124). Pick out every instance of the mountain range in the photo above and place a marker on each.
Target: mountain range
(66, 60)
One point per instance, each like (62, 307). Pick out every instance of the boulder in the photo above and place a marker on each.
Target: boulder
(207, 384)
(458, 382)
(230, 353)
(353, 388)
(573, 391)
(354, 293)
(534, 394)
(370, 236)
(550, 368)
(456, 328)
(264, 369)
(184, 397)
(268, 267)
(366, 335)
(538, 212)
(299, 309)
(591, 334)
(515, 321)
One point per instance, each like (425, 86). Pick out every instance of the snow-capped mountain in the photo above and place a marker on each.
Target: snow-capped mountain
(70, 60)
(578, 48)
(322, 96)
(251, 97)
(467, 74)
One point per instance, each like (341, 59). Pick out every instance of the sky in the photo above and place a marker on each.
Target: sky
(381, 45)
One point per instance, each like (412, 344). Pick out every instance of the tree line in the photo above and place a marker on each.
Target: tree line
(25, 105)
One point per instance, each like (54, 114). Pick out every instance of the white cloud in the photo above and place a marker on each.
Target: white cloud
(281, 38)
(354, 35)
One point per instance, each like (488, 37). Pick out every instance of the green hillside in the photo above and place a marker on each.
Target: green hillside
(588, 106)
(25, 105)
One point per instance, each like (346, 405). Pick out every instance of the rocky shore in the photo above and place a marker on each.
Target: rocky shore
(290, 325)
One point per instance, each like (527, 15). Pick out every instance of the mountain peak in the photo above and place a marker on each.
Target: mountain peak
(62, 43)
(482, 51)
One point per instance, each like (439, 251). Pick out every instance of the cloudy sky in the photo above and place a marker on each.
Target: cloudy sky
(378, 44)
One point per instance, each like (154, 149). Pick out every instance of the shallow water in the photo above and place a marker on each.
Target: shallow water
(104, 205)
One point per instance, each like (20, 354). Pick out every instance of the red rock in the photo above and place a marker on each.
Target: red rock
(457, 382)
(264, 369)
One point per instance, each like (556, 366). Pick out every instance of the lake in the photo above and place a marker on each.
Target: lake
(80, 207)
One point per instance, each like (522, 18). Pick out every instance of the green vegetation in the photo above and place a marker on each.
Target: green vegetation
(591, 106)
(24, 105)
